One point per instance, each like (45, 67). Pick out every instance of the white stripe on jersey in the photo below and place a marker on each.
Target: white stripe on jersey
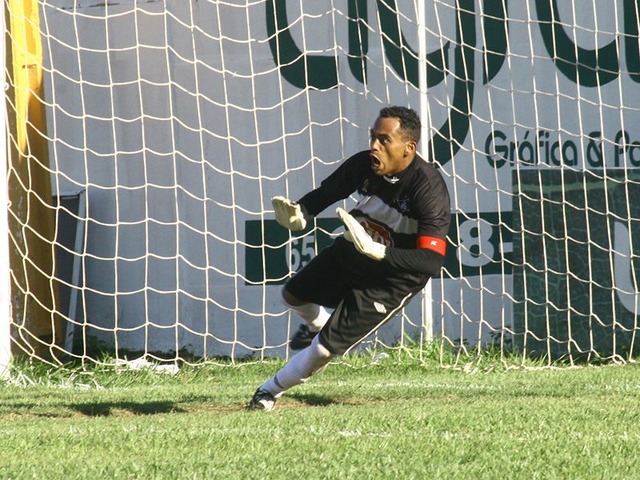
(377, 210)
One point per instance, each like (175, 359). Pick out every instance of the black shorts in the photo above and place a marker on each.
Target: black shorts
(363, 292)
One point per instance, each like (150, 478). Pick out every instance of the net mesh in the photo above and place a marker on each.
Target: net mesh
(140, 214)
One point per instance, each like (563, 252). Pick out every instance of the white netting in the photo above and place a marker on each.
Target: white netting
(170, 125)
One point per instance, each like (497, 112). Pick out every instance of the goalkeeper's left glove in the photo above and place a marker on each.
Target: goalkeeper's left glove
(360, 238)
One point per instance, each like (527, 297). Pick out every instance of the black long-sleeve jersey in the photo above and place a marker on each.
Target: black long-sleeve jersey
(409, 213)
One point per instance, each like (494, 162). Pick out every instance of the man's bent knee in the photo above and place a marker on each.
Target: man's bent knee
(290, 299)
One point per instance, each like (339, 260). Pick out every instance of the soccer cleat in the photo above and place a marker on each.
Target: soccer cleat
(262, 400)
(302, 338)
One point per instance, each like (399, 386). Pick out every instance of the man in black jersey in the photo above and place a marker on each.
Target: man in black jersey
(395, 241)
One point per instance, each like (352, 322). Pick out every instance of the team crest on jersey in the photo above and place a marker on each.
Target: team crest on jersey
(365, 186)
(404, 205)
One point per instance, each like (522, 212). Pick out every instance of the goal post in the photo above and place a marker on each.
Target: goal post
(5, 285)
(36, 328)
(179, 120)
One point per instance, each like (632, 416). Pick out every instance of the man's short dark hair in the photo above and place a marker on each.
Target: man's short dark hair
(409, 120)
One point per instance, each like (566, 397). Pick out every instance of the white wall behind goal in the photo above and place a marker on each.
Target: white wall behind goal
(177, 121)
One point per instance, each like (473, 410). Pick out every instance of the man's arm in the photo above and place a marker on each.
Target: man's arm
(427, 257)
(421, 260)
(338, 185)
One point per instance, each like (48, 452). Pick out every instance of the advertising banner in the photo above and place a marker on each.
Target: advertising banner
(181, 119)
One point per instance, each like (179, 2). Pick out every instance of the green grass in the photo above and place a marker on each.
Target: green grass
(362, 422)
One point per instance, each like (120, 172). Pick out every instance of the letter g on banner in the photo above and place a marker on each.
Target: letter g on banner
(301, 70)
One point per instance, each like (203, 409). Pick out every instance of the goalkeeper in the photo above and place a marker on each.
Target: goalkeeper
(394, 242)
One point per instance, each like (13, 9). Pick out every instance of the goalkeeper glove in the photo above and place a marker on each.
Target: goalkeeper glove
(361, 239)
(289, 214)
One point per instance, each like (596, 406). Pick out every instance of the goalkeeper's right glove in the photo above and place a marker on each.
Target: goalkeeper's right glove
(289, 214)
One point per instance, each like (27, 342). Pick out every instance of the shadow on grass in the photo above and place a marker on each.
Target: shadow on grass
(105, 409)
(314, 400)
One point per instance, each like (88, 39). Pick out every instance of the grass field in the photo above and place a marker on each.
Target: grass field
(360, 422)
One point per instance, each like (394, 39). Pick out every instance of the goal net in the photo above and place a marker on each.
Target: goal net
(146, 139)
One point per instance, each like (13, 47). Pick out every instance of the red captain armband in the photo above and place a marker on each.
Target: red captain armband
(436, 244)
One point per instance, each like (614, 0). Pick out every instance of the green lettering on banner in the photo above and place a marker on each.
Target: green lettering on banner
(536, 148)
(358, 39)
(477, 246)
(632, 48)
(402, 58)
(300, 69)
(450, 137)
(271, 254)
(496, 37)
(576, 269)
(589, 68)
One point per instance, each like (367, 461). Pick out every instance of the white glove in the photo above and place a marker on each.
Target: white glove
(361, 239)
(289, 214)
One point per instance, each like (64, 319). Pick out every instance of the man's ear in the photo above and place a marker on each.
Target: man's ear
(410, 149)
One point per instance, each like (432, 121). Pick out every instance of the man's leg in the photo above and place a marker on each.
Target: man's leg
(314, 317)
(297, 370)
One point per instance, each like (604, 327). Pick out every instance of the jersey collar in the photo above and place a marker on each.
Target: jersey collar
(393, 179)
